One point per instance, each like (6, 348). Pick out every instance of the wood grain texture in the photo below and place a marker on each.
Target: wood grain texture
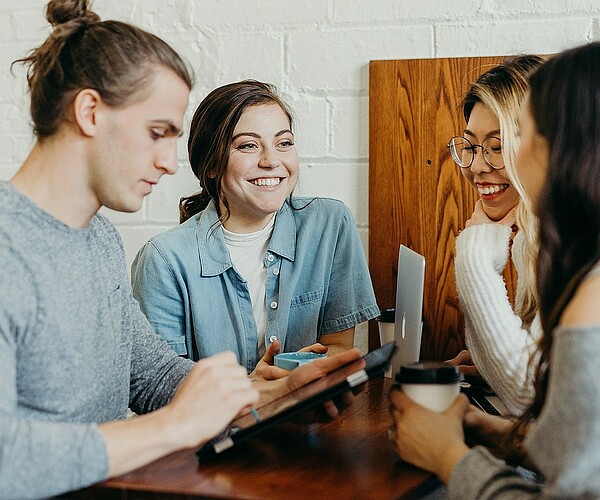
(349, 457)
(417, 195)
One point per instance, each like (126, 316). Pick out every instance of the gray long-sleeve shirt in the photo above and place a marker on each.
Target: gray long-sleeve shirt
(75, 350)
(563, 443)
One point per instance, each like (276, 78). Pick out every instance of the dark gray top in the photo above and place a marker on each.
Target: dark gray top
(564, 441)
(75, 349)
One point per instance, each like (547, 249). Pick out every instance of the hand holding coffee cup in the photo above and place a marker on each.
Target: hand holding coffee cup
(433, 385)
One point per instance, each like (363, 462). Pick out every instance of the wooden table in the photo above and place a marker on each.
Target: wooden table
(347, 458)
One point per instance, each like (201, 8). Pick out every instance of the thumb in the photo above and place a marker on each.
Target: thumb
(271, 351)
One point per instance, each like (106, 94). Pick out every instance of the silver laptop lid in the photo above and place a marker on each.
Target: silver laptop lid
(409, 307)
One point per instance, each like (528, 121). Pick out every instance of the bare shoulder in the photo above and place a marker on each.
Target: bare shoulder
(583, 308)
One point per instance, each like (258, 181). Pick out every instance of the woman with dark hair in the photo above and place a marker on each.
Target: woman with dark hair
(253, 269)
(500, 339)
(107, 104)
(558, 163)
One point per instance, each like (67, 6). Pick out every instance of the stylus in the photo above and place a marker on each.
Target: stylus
(255, 414)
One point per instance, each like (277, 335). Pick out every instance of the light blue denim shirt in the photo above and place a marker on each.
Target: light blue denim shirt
(317, 283)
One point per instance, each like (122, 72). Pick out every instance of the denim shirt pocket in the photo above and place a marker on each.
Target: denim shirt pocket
(304, 319)
(308, 298)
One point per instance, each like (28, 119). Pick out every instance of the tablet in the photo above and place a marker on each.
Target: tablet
(290, 405)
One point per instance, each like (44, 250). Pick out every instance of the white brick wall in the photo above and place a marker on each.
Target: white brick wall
(316, 51)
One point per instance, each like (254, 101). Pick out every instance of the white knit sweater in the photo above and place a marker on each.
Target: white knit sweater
(499, 344)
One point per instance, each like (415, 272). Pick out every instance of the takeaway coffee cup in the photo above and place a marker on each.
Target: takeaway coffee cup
(431, 384)
(385, 322)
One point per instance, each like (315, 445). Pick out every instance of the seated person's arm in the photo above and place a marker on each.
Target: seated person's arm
(214, 392)
(339, 341)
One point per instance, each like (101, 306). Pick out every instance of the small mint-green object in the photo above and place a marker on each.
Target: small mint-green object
(291, 360)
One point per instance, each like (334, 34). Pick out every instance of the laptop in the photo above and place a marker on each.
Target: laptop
(482, 396)
(408, 327)
(408, 324)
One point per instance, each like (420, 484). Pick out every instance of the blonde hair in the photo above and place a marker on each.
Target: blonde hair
(502, 90)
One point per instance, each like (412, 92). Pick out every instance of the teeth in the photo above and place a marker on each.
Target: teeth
(491, 189)
(267, 181)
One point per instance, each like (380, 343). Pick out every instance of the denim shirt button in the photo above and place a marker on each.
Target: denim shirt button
(273, 305)
(272, 338)
(276, 271)
(270, 258)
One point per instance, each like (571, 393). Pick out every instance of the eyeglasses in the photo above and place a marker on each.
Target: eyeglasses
(463, 152)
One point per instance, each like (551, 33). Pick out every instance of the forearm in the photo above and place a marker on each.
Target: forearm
(338, 342)
(497, 341)
(137, 441)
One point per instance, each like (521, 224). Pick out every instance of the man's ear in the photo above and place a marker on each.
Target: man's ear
(85, 109)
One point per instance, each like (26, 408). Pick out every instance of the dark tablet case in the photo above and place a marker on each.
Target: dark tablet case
(307, 397)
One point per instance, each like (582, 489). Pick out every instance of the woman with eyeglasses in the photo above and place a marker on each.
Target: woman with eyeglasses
(500, 339)
(558, 162)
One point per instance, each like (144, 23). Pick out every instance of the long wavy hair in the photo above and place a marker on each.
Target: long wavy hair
(565, 106)
(210, 138)
(501, 90)
(114, 58)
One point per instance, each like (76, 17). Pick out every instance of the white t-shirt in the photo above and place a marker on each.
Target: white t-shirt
(247, 252)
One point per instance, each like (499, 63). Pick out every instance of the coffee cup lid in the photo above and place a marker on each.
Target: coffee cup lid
(428, 372)
(387, 315)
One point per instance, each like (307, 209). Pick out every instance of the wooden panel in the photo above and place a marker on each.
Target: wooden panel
(348, 457)
(417, 195)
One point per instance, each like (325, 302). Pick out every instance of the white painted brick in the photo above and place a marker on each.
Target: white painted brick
(7, 171)
(346, 182)
(350, 127)
(30, 25)
(152, 15)
(163, 203)
(499, 38)
(9, 113)
(123, 217)
(6, 31)
(363, 233)
(135, 237)
(22, 147)
(259, 57)
(14, 149)
(260, 12)
(317, 53)
(9, 6)
(310, 128)
(387, 10)
(13, 85)
(595, 29)
(7, 150)
(539, 7)
(340, 59)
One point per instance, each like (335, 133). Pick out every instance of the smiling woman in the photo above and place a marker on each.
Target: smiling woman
(262, 168)
(500, 339)
(253, 269)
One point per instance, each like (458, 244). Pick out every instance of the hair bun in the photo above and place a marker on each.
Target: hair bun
(63, 11)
